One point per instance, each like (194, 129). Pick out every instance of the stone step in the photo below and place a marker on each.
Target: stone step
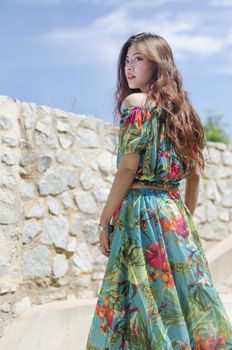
(219, 257)
(60, 325)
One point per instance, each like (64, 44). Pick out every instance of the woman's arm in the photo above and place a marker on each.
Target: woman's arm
(192, 189)
(122, 181)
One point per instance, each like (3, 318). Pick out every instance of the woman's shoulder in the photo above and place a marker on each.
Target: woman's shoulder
(136, 99)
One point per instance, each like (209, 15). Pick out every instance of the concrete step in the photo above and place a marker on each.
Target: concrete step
(60, 325)
(219, 256)
(54, 326)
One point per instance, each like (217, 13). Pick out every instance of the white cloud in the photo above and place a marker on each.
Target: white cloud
(221, 3)
(191, 35)
(93, 43)
(100, 40)
(39, 2)
(134, 3)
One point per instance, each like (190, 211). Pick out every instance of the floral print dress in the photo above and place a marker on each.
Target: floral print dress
(157, 292)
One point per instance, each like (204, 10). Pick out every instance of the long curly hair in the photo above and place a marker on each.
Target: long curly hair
(182, 123)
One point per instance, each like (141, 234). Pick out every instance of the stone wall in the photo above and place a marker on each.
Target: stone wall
(213, 213)
(56, 173)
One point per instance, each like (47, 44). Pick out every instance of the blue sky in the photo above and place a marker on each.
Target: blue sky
(63, 53)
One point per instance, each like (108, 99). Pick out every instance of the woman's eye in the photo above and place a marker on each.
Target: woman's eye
(136, 58)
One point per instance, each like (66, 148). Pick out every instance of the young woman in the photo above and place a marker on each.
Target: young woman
(157, 292)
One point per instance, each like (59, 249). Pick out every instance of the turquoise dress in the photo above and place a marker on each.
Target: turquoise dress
(157, 292)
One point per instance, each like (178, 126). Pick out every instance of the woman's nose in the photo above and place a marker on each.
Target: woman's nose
(130, 63)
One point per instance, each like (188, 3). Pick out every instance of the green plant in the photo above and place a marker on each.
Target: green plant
(215, 128)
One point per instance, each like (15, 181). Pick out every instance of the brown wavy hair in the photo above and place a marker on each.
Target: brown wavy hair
(182, 123)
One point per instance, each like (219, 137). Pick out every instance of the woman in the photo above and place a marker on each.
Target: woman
(157, 292)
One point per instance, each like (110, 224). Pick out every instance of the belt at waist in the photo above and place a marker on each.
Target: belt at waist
(175, 189)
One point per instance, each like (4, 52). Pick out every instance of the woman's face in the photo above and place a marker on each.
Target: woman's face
(138, 69)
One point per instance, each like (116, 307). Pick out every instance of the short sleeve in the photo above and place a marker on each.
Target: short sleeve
(135, 129)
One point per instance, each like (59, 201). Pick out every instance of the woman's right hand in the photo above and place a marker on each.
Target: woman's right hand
(104, 242)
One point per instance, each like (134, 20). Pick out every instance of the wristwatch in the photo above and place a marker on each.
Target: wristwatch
(102, 228)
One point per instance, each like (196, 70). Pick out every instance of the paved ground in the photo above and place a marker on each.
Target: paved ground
(60, 325)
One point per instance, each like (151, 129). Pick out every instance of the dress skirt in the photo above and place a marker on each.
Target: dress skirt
(157, 292)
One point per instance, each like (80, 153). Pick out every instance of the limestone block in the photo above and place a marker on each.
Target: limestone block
(9, 181)
(58, 295)
(212, 191)
(221, 172)
(71, 244)
(211, 212)
(90, 229)
(222, 186)
(60, 266)
(111, 143)
(218, 230)
(36, 210)
(200, 214)
(63, 157)
(97, 286)
(98, 275)
(8, 198)
(8, 158)
(37, 262)
(56, 181)
(21, 306)
(78, 159)
(66, 200)
(27, 159)
(93, 165)
(5, 258)
(83, 280)
(55, 231)
(85, 293)
(101, 190)
(227, 199)
(5, 122)
(218, 145)
(5, 307)
(76, 225)
(9, 216)
(82, 259)
(9, 141)
(87, 139)
(26, 190)
(89, 122)
(10, 231)
(44, 163)
(44, 126)
(52, 142)
(224, 214)
(87, 178)
(227, 158)
(30, 231)
(29, 122)
(54, 206)
(40, 139)
(65, 141)
(215, 156)
(8, 289)
(63, 127)
(106, 162)
(86, 202)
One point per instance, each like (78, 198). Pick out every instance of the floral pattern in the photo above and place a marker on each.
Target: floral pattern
(157, 291)
(141, 131)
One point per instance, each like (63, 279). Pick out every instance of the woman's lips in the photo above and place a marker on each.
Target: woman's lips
(130, 78)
